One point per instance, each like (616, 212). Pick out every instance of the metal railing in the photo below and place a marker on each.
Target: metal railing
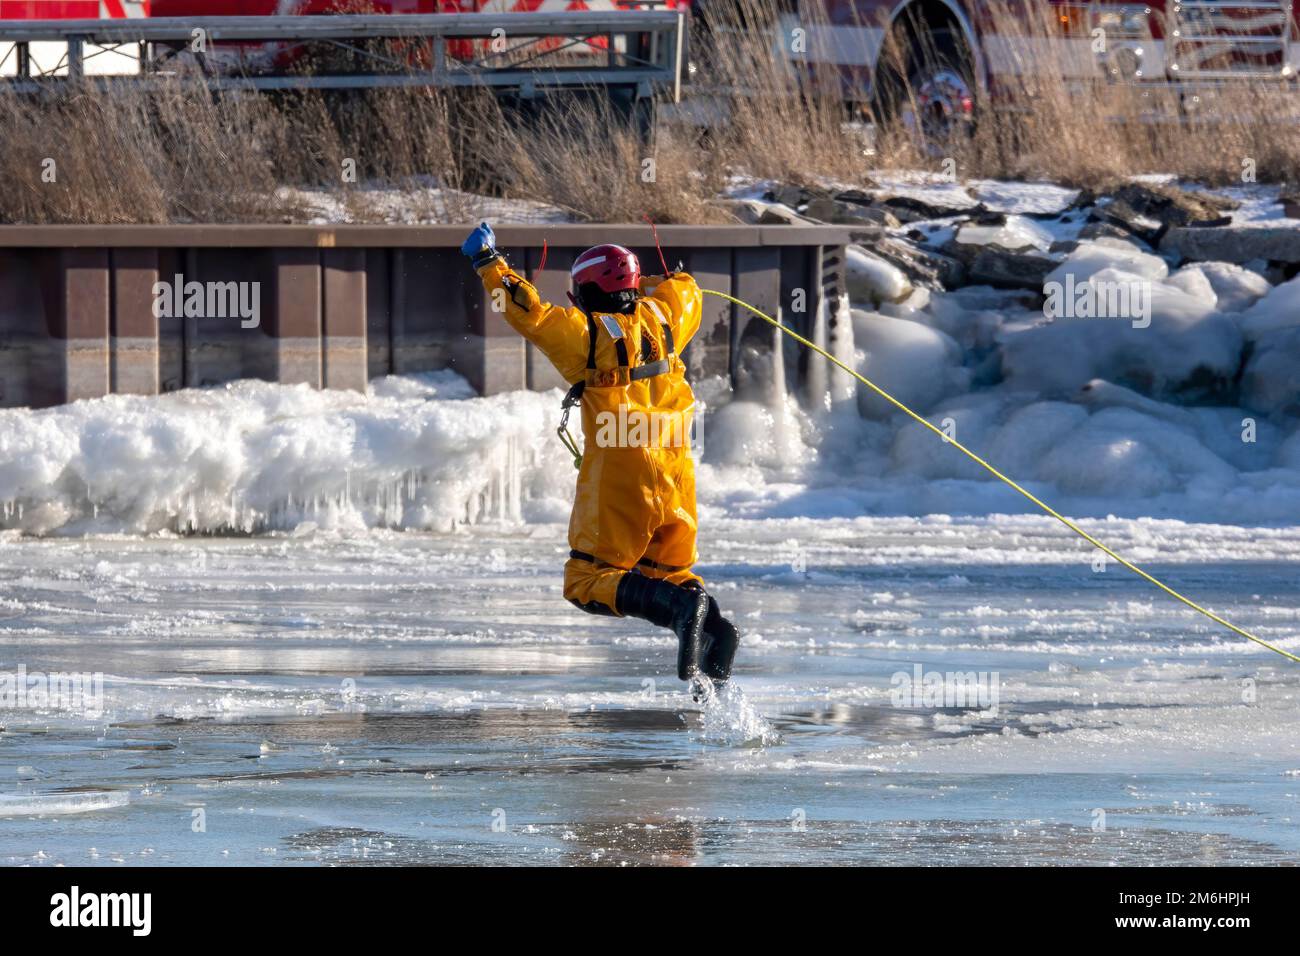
(643, 49)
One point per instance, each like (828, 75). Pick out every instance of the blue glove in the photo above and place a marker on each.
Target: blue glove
(480, 245)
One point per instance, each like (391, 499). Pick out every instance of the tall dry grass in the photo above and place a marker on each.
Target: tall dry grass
(182, 154)
(1049, 124)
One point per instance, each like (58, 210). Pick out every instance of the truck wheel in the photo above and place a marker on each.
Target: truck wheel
(936, 103)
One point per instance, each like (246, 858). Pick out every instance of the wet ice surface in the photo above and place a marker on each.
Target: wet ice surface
(429, 698)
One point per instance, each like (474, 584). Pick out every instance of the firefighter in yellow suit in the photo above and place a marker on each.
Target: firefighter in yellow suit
(632, 532)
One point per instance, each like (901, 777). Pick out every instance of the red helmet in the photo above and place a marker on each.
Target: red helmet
(611, 268)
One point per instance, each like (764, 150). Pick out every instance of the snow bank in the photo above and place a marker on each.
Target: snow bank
(417, 452)
(252, 456)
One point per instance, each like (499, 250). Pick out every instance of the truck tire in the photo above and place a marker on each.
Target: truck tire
(935, 103)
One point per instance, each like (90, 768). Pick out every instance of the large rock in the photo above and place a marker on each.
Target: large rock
(778, 215)
(857, 196)
(1009, 270)
(755, 212)
(911, 209)
(1148, 210)
(1237, 244)
(847, 213)
(1171, 206)
(747, 211)
(1121, 217)
(789, 194)
(926, 268)
(1100, 229)
(1290, 201)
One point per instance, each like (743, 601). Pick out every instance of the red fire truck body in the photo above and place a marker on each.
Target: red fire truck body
(72, 9)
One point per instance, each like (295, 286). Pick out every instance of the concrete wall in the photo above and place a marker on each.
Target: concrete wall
(337, 306)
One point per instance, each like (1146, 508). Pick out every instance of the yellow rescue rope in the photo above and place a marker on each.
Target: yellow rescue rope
(1003, 478)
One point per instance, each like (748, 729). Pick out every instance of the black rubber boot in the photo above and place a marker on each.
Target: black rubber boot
(668, 605)
(720, 642)
(718, 647)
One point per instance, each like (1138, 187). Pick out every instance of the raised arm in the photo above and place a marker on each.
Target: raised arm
(560, 333)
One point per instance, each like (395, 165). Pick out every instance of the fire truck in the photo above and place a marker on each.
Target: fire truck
(944, 53)
(948, 52)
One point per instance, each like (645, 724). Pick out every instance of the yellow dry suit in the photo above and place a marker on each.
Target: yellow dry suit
(635, 502)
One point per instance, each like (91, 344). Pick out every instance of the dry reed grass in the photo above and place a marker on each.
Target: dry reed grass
(182, 154)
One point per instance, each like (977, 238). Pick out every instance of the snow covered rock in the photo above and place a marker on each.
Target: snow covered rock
(755, 212)
(1092, 256)
(1100, 393)
(1271, 380)
(1183, 347)
(1234, 288)
(1139, 205)
(911, 208)
(1279, 309)
(1012, 233)
(918, 365)
(1110, 451)
(873, 280)
(924, 267)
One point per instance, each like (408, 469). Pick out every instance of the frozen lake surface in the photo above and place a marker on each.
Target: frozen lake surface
(415, 697)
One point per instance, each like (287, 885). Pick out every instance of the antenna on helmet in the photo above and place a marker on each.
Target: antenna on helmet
(655, 232)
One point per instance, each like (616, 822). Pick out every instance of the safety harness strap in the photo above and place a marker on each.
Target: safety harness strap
(620, 345)
(591, 342)
(648, 371)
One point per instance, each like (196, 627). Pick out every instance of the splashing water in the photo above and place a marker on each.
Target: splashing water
(729, 719)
